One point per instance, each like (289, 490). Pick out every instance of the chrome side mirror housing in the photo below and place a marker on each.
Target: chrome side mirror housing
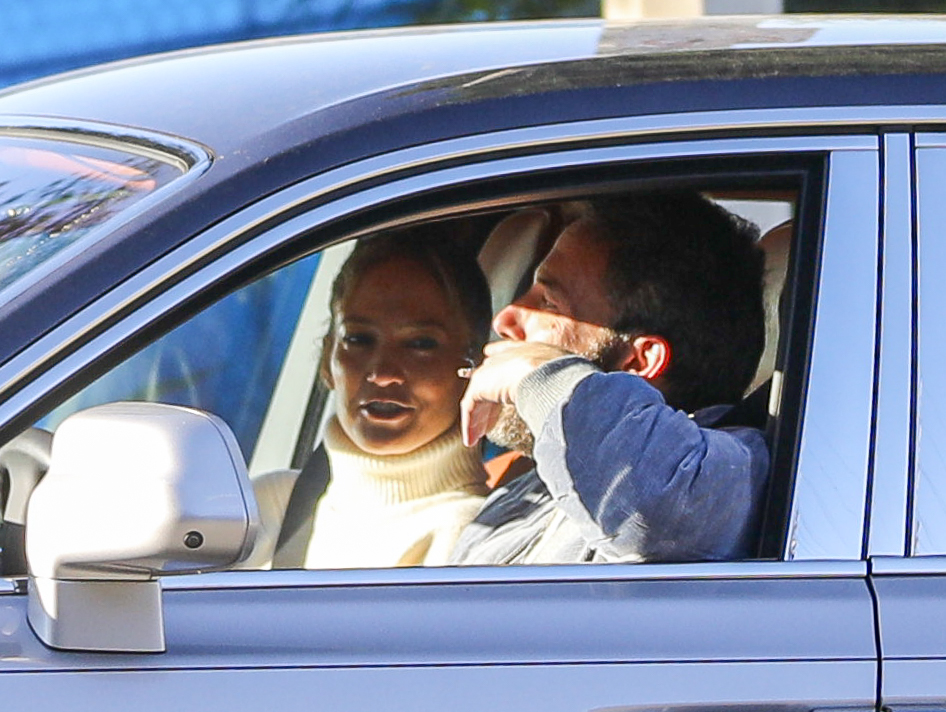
(134, 491)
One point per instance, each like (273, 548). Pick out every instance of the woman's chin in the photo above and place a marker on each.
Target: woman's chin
(388, 439)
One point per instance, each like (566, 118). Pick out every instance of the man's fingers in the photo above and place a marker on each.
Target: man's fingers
(476, 419)
(495, 382)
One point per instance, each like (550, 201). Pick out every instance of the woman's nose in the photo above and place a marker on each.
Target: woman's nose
(384, 370)
(508, 323)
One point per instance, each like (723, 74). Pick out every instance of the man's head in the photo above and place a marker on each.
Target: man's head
(666, 285)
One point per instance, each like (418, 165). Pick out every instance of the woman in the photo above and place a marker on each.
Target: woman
(407, 311)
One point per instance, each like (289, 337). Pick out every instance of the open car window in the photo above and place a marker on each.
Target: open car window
(252, 358)
(224, 360)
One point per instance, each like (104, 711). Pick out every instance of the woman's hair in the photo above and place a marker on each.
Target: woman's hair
(451, 262)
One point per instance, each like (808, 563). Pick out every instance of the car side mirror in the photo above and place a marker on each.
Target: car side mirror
(134, 491)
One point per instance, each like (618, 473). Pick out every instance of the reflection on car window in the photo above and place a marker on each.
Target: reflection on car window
(54, 192)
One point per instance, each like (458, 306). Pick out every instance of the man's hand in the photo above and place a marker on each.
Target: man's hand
(495, 382)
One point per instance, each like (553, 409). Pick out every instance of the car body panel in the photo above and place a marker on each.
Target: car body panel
(833, 459)
(909, 584)
(910, 595)
(925, 533)
(504, 622)
(894, 400)
(708, 688)
(543, 634)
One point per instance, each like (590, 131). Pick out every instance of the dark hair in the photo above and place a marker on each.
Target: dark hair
(452, 263)
(684, 268)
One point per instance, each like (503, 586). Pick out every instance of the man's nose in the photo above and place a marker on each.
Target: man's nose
(509, 322)
(384, 370)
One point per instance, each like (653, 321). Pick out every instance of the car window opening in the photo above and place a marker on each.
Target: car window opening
(509, 245)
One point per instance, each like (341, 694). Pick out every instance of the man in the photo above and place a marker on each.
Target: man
(643, 321)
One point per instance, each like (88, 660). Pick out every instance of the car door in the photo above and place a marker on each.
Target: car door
(793, 629)
(908, 517)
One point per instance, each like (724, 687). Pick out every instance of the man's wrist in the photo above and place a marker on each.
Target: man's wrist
(548, 386)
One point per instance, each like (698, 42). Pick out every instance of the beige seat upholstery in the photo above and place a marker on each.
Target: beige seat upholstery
(510, 251)
(776, 243)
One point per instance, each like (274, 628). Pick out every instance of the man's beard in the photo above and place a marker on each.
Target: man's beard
(511, 431)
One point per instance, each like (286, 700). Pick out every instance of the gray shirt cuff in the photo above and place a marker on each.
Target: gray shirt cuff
(548, 386)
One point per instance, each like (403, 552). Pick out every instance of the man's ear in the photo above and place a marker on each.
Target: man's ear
(648, 356)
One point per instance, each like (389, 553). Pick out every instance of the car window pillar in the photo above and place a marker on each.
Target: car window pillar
(827, 516)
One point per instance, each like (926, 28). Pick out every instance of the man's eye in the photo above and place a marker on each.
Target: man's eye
(423, 343)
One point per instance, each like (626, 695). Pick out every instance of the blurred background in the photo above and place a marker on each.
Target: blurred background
(40, 37)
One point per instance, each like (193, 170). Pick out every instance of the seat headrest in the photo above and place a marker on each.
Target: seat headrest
(776, 243)
(510, 251)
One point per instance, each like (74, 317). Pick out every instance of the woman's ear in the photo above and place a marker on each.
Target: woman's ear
(648, 356)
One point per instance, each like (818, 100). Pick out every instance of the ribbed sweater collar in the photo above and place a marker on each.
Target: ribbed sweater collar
(443, 465)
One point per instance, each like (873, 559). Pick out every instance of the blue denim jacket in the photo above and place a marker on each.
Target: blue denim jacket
(621, 476)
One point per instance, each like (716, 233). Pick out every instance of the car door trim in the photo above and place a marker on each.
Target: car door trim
(907, 565)
(896, 365)
(834, 452)
(520, 574)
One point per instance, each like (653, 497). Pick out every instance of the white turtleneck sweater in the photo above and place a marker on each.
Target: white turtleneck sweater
(381, 511)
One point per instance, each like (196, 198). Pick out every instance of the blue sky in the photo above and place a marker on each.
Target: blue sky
(40, 36)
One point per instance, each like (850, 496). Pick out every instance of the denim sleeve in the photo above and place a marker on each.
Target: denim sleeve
(642, 480)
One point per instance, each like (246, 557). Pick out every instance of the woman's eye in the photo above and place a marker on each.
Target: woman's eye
(423, 343)
(357, 339)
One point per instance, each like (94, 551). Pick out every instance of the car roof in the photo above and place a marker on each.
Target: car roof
(229, 96)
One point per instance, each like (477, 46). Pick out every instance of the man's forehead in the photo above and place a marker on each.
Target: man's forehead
(576, 268)
(578, 244)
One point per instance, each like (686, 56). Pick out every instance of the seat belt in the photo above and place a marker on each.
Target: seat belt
(752, 411)
(297, 524)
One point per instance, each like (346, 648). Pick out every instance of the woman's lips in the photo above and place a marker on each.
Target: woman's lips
(385, 410)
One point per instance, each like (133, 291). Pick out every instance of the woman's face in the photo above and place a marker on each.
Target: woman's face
(394, 357)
